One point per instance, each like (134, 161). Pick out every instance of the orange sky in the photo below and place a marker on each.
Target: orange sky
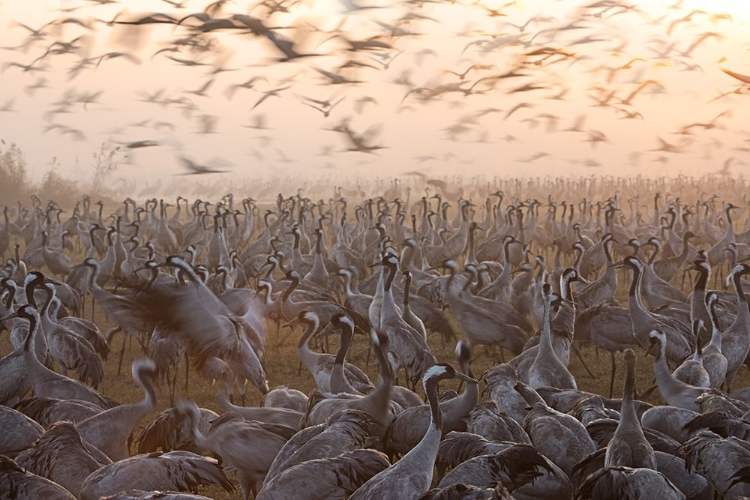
(689, 83)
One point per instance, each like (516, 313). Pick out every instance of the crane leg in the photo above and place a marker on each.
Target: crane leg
(187, 372)
(729, 380)
(488, 354)
(648, 392)
(612, 378)
(580, 357)
(122, 352)
(172, 383)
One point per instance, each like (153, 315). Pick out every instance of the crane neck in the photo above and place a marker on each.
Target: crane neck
(545, 342)
(431, 390)
(628, 395)
(346, 342)
(607, 247)
(703, 277)
(715, 332)
(738, 288)
(29, 343)
(288, 292)
(382, 393)
(149, 394)
(635, 288)
(311, 328)
(407, 290)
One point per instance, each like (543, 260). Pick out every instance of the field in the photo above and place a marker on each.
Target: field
(282, 365)
(283, 368)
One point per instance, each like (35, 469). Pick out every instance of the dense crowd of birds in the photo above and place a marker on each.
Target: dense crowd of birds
(531, 280)
(506, 79)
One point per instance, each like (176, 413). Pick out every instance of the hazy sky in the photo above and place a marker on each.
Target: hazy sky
(487, 143)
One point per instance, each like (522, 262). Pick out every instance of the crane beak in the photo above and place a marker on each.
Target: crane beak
(650, 348)
(291, 323)
(465, 378)
(325, 331)
(10, 316)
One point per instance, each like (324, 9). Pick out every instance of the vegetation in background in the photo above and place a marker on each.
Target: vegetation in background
(16, 185)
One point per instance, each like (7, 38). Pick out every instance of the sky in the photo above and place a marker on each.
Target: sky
(399, 100)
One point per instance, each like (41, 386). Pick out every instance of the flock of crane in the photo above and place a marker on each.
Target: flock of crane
(427, 83)
(197, 287)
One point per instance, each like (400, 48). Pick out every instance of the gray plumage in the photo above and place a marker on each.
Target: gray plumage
(209, 327)
(714, 399)
(602, 430)
(692, 371)
(62, 456)
(172, 430)
(176, 470)
(154, 495)
(329, 478)
(547, 369)
(692, 484)
(675, 392)
(591, 408)
(18, 432)
(248, 448)
(16, 483)
(406, 344)
(628, 446)
(513, 467)
(499, 384)
(47, 411)
(719, 460)
(562, 400)
(110, 431)
(409, 426)
(345, 431)
(281, 416)
(714, 360)
(377, 403)
(618, 483)
(488, 420)
(411, 476)
(321, 366)
(669, 420)
(69, 350)
(458, 447)
(644, 321)
(467, 492)
(735, 341)
(44, 381)
(721, 423)
(560, 437)
(14, 377)
(284, 397)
